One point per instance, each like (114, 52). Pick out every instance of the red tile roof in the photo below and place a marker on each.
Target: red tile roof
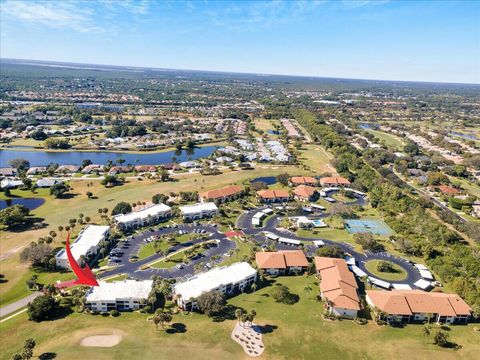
(408, 302)
(273, 194)
(281, 259)
(303, 180)
(337, 284)
(335, 180)
(223, 192)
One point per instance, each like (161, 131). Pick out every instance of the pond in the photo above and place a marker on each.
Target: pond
(269, 180)
(43, 158)
(367, 126)
(468, 136)
(30, 203)
(272, 132)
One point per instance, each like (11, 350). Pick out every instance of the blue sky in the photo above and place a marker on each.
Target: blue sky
(391, 40)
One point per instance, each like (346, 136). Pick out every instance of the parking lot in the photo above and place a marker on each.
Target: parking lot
(124, 255)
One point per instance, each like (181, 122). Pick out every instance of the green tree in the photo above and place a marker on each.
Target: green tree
(211, 302)
(59, 190)
(21, 165)
(13, 215)
(43, 307)
(122, 208)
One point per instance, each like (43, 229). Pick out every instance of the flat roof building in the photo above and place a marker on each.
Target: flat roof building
(85, 244)
(119, 295)
(198, 211)
(227, 280)
(148, 215)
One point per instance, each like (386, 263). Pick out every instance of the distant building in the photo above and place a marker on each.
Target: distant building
(86, 244)
(338, 287)
(271, 196)
(281, 262)
(146, 216)
(35, 170)
(10, 184)
(118, 295)
(305, 193)
(227, 280)
(334, 181)
(447, 190)
(67, 169)
(7, 171)
(303, 180)
(198, 211)
(222, 195)
(417, 305)
(46, 183)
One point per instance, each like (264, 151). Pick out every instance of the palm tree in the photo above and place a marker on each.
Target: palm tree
(238, 313)
(254, 287)
(426, 332)
(307, 290)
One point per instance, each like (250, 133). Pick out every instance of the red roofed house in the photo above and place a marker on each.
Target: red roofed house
(303, 180)
(271, 196)
(447, 190)
(305, 193)
(334, 181)
(282, 262)
(338, 287)
(417, 305)
(222, 195)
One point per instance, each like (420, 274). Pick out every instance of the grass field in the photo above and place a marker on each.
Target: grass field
(55, 212)
(297, 332)
(392, 141)
(398, 275)
(316, 159)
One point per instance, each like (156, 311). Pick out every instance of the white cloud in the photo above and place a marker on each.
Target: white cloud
(82, 16)
(54, 14)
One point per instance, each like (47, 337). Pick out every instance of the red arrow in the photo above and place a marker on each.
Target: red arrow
(84, 276)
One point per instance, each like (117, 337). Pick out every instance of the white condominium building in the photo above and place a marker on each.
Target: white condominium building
(85, 244)
(119, 295)
(199, 211)
(145, 216)
(227, 280)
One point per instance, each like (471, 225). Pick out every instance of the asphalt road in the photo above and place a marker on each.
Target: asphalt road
(222, 246)
(244, 222)
(17, 305)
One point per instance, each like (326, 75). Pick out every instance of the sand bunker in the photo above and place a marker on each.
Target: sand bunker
(101, 340)
(250, 338)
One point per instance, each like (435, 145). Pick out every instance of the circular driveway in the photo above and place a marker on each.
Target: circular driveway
(244, 222)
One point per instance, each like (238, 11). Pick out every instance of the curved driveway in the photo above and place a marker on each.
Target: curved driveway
(244, 222)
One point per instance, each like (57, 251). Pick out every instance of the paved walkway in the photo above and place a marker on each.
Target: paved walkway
(17, 305)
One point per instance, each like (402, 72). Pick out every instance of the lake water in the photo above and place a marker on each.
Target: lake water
(367, 126)
(30, 203)
(462, 135)
(43, 158)
(269, 180)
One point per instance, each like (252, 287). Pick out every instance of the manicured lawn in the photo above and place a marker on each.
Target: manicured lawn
(390, 140)
(55, 212)
(316, 159)
(398, 275)
(296, 332)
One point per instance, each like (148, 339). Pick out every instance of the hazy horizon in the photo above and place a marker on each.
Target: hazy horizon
(422, 41)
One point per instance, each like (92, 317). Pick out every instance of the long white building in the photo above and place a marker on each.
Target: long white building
(145, 216)
(227, 280)
(85, 244)
(199, 211)
(119, 295)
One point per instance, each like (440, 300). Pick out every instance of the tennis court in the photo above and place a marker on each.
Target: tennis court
(376, 227)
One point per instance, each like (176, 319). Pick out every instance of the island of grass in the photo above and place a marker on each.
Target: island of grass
(386, 270)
